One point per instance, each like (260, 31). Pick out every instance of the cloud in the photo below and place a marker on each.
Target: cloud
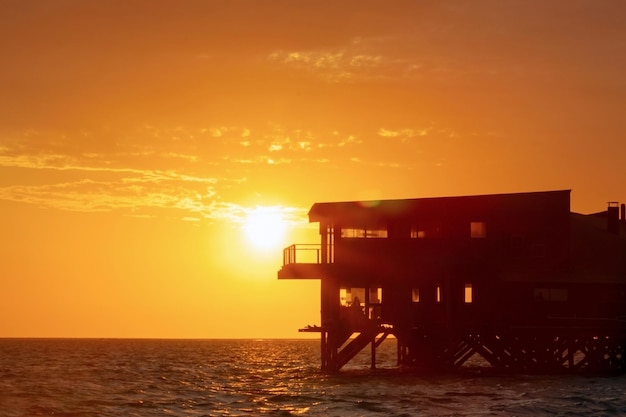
(196, 173)
(150, 196)
(148, 190)
(357, 60)
(404, 134)
(182, 173)
(413, 54)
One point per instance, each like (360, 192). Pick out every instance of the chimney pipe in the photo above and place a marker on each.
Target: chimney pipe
(612, 217)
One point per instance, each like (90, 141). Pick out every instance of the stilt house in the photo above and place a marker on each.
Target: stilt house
(517, 279)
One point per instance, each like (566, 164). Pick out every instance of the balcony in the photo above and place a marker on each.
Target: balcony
(302, 261)
(302, 253)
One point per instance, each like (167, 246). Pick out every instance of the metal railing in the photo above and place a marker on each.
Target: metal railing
(302, 253)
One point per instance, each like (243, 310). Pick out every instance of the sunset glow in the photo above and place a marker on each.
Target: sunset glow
(156, 156)
(265, 228)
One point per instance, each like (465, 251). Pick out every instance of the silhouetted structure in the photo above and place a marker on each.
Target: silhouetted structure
(515, 278)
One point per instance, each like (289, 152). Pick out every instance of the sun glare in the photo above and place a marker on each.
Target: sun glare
(265, 228)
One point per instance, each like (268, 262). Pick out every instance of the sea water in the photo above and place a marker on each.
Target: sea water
(77, 377)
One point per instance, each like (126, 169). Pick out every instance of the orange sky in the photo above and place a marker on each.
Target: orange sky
(136, 136)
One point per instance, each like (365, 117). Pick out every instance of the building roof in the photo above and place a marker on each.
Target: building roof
(385, 209)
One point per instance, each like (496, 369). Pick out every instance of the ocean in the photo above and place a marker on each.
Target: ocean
(122, 377)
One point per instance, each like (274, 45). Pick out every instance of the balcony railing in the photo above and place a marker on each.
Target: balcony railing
(302, 253)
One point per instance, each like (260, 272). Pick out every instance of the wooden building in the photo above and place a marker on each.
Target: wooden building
(515, 278)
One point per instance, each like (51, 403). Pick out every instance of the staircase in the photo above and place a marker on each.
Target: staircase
(357, 344)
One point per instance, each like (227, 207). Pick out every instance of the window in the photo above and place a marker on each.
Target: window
(376, 233)
(415, 295)
(356, 295)
(438, 294)
(417, 233)
(376, 295)
(360, 233)
(375, 301)
(478, 230)
(352, 233)
(468, 293)
(558, 294)
(550, 294)
(349, 295)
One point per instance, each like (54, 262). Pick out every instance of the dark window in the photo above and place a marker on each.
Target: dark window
(415, 295)
(550, 294)
(478, 230)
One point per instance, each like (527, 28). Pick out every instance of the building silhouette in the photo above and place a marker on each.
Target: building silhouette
(517, 279)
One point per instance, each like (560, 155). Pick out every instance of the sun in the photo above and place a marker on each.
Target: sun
(265, 228)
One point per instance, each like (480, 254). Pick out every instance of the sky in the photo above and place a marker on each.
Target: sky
(140, 140)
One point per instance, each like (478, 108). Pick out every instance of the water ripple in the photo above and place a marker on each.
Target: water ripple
(146, 378)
